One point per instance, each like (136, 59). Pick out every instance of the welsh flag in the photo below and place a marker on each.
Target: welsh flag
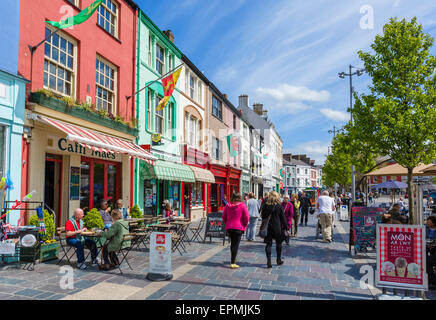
(282, 172)
(265, 156)
(234, 144)
(168, 84)
(82, 16)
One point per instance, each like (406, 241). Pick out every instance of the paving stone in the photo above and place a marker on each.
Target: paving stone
(248, 295)
(29, 292)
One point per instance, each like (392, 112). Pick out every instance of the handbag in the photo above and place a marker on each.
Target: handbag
(263, 230)
(312, 210)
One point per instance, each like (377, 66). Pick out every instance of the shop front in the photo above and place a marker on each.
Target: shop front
(163, 181)
(75, 167)
(227, 182)
(12, 93)
(195, 195)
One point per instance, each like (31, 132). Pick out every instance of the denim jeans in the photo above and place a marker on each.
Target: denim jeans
(251, 228)
(80, 249)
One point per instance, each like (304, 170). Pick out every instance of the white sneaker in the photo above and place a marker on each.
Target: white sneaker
(95, 262)
(81, 266)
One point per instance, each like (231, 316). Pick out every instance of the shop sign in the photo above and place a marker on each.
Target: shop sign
(401, 257)
(160, 253)
(74, 147)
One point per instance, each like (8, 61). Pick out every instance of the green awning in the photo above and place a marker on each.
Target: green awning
(165, 170)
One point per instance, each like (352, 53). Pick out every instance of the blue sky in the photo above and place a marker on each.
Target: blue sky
(285, 54)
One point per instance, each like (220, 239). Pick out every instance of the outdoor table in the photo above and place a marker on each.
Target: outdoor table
(97, 237)
(161, 227)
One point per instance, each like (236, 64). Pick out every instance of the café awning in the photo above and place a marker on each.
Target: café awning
(202, 175)
(97, 141)
(166, 170)
(397, 170)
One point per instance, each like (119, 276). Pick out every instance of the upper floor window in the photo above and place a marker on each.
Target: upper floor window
(159, 117)
(298, 170)
(217, 108)
(192, 87)
(75, 2)
(217, 148)
(105, 86)
(170, 62)
(59, 55)
(192, 130)
(200, 92)
(150, 51)
(170, 120)
(234, 122)
(160, 59)
(108, 17)
(305, 171)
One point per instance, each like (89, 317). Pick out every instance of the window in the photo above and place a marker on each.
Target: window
(159, 117)
(74, 2)
(192, 130)
(298, 170)
(107, 17)
(150, 51)
(245, 154)
(217, 149)
(234, 122)
(293, 181)
(148, 114)
(2, 150)
(196, 194)
(170, 63)
(217, 108)
(105, 87)
(59, 64)
(160, 64)
(170, 107)
(192, 87)
(305, 171)
(200, 93)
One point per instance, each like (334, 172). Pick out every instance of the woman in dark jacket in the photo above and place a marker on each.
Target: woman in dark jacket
(277, 226)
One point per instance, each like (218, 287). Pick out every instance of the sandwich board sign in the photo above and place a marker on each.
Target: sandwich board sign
(344, 212)
(160, 257)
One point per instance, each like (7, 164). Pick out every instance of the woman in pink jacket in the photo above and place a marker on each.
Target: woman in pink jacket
(235, 218)
(288, 208)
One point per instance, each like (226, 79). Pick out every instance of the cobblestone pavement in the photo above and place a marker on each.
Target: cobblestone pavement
(312, 270)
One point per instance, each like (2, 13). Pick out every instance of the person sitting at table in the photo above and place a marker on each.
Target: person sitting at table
(387, 218)
(105, 214)
(115, 236)
(73, 234)
(168, 213)
(120, 206)
(430, 228)
(395, 214)
(431, 258)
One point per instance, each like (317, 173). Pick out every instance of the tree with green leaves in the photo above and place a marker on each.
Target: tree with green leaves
(337, 166)
(398, 116)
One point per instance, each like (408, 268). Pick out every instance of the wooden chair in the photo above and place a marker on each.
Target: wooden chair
(124, 252)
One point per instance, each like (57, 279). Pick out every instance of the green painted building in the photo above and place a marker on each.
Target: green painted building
(156, 56)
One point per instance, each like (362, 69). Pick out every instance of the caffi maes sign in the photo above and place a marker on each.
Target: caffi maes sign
(74, 147)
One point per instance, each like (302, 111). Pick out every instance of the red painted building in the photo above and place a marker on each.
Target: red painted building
(93, 65)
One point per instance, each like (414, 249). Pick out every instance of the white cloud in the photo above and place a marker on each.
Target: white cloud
(286, 92)
(335, 114)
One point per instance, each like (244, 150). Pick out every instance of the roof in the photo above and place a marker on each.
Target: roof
(192, 66)
(13, 75)
(295, 162)
(254, 119)
(226, 101)
(397, 170)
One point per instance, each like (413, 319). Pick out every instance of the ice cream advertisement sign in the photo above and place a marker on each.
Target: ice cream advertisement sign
(401, 256)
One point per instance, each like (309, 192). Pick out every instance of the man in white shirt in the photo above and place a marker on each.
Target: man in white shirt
(326, 208)
(253, 210)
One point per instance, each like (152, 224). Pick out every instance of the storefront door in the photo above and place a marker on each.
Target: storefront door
(53, 184)
(99, 180)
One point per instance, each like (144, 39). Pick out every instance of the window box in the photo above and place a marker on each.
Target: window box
(61, 106)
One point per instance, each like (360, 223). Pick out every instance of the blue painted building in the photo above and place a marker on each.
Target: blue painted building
(12, 102)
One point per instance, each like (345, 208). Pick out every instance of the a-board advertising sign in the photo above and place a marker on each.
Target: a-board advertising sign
(401, 257)
(215, 227)
(364, 231)
(160, 253)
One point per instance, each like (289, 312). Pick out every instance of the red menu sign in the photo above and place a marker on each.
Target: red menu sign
(401, 256)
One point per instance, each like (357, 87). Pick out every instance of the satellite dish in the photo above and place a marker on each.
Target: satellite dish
(29, 240)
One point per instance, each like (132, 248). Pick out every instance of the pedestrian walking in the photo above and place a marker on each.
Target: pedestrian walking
(305, 205)
(288, 208)
(253, 211)
(235, 218)
(370, 196)
(296, 203)
(277, 227)
(326, 207)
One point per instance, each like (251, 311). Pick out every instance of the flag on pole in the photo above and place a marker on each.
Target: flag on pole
(168, 84)
(265, 156)
(234, 144)
(82, 16)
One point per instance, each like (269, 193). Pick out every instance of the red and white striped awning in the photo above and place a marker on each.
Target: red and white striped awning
(98, 141)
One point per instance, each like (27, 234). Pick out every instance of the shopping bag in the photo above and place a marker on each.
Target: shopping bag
(263, 230)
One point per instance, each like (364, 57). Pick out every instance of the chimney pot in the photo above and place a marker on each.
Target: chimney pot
(170, 35)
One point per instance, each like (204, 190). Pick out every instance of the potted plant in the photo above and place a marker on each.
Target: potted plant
(93, 220)
(135, 212)
(49, 247)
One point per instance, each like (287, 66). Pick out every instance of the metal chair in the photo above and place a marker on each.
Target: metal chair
(196, 231)
(123, 252)
(65, 247)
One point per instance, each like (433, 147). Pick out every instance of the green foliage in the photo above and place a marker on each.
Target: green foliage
(70, 102)
(102, 113)
(135, 212)
(398, 116)
(47, 93)
(337, 167)
(85, 106)
(92, 219)
(49, 224)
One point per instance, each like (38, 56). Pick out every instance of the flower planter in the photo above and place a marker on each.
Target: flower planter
(49, 251)
(61, 106)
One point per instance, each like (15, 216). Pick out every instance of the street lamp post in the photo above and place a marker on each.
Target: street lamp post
(358, 72)
(334, 136)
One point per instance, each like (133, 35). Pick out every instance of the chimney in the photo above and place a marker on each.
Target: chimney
(170, 35)
(243, 100)
(258, 108)
(226, 96)
(265, 114)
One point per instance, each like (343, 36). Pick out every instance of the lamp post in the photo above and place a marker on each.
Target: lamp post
(334, 136)
(358, 72)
